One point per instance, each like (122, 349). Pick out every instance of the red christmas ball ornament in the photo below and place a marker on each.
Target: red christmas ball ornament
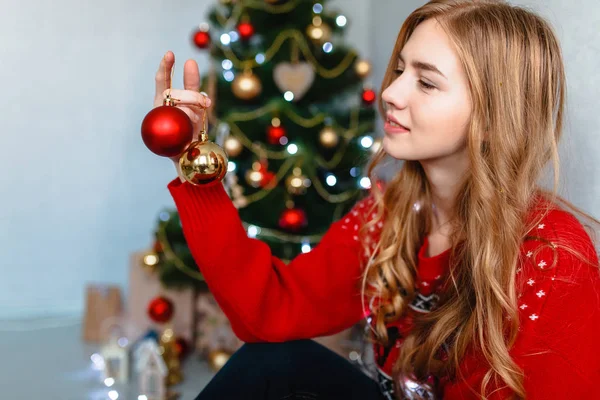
(293, 219)
(275, 133)
(160, 309)
(201, 39)
(167, 130)
(246, 30)
(181, 347)
(368, 96)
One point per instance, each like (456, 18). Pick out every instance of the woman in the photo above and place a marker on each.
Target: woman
(475, 282)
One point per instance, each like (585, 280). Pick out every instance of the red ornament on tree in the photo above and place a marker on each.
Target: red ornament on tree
(246, 30)
(201, 39)
(181, 347)
(293, 219)
(368, 96)
(275, 133)
(160, 309)
(167, 130)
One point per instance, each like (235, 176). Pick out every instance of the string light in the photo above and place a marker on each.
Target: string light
(109, 382)
(341, 21)
(231, 166)
(233, 35)
(123, 342)
(289, 96)
(331, 180)
(366, 142)
(225, 39)
(253, 231)
(365, 183)
(164, 216)
(292, 149)
(227, 64)
(113, 394)
(283, 140)
(260, 58)
(327, 47)
(318, 8)
(354, 172)
(306, 248)
(229, 76)
(142, 397)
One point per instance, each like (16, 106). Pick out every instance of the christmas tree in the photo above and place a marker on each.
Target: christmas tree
(293, 112)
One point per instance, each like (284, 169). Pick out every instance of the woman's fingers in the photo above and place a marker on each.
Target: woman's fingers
(191, 76)
(188, 97)
(163, 75)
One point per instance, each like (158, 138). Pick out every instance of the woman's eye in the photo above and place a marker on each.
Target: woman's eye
(398, 71)
(426, 85)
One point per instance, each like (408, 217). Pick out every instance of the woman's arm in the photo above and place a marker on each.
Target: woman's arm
(316, 294)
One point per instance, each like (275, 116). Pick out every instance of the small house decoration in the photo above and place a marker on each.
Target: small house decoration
(151, 370)
(116, 360)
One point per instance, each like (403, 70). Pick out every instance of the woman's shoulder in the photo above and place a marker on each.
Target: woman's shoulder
(558, 242)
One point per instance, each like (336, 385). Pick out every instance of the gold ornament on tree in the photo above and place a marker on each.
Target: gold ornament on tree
(233, 146)
(328, 137)
(318, 32)
(168, 346)
(246, 85)
(203, 162)
(362, 68)
(297, 183)
(218, 358)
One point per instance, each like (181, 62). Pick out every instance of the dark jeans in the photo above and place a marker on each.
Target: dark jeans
(300, 369)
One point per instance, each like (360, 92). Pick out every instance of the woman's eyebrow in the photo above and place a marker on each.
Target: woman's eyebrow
(423, 66)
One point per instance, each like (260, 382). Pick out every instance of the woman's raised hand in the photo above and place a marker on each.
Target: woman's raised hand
(189, 99)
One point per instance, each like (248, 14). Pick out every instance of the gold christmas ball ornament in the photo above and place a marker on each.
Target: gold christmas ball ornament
(362, 68)
(328, 137)
(246, 86)
(218, 358)
(254, 178)
(233, 146)
(297, 183)
(203, 162)
(318, 31)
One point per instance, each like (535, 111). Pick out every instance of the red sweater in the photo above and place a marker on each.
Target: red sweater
(318, 294)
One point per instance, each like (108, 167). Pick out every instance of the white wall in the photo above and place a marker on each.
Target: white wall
(576, 24)
(80, 190)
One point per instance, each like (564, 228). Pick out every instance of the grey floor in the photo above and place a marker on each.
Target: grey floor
(50, 362)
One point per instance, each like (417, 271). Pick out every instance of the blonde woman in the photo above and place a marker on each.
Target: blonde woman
(476, 282)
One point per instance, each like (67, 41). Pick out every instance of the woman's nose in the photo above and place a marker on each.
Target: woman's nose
(396, 94)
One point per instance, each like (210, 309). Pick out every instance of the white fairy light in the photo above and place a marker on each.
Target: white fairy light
(229, 76)
(341, 21)
(327, 47)
(225, 39)
(227, 64)
(231, 166)
(331, 180)
(289, 96)
(113, 394)
(260, 58)
(292, 149)
(234, 36)
(366, 142)
(365, 182)
(306, 248)
(318, 8)
(253, 231)
(109, 382)
(354, 172)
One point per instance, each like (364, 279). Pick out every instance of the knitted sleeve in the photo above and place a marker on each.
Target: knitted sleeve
(316, 294)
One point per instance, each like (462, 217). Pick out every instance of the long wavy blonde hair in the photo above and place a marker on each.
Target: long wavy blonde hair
(515, 72)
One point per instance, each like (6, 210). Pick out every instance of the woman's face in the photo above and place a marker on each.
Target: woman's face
(429, 97)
